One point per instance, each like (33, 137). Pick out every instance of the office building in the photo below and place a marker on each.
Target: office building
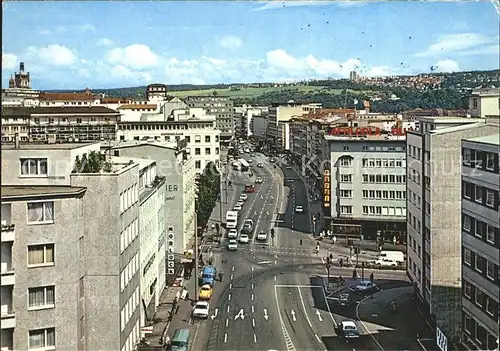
(364, 190)
(15, 120)
(480, 241)
(220, 107)
(484, 102)
(434, 216)
(191, 124)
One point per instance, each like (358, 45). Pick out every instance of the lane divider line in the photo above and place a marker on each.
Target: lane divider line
(288, 341)
(364, 325)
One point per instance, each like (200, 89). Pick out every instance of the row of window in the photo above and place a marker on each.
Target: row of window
(34, 166)
(480, 264)
(208, 151)
(385, 163)
(478, 333)
(384, 179)
(129, 308)
(481, 299)
(383, 194)
(129, 197)
(415, 269)
(169, 125)
(416, 153)
(133, 338)
(480, 194)
(129, 271)
(384, 211)
(415, 199)
(414, 175)
(197, 138)
(483, 231)
(416, 248)
(128, 235)
(487, 161)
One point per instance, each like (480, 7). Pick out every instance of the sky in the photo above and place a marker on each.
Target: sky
(112, 44)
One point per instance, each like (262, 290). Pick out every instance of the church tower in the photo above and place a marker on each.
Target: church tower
(22, 78)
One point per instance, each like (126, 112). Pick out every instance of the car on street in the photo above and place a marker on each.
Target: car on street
(244, 239)
(366, 286)
(232, 234)
(237, 207)
(348, 330)
(345, 300)
(232, 245)
(249, 221)
(247, 228)
(243, 197)
(201, 309)
(205, 292)
(384, 262)
(260, 165)
(299, 209)
(240, 202)
(262, 236)
(258, 180)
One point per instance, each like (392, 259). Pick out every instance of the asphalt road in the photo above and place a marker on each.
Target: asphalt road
(272, 296)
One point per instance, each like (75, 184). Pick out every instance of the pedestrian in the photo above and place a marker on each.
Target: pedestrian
(213, 226)
(341, 262)
(221, 275)
(334, 240)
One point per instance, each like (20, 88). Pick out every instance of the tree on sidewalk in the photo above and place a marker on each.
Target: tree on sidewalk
(208, 192)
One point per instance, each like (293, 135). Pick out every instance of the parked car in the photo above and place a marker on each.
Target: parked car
(348, 330)
(345, 300)
(237, 207)
(262, 236)
(244, 239)
(232, 234)
(366, 285)
(201, 309)
(232, 245)
(205, 292)
(259, 180)
(243, 197)
(260, 165)
(384, 262)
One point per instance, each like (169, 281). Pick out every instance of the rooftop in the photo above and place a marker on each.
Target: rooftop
(121, 144)
(456, 128)
(125, 161)
(46, 146)
(64, 110)
(493, 139)
(85, 96)
(19, 192)
(137, 106)
(444, 119)
(382, 137)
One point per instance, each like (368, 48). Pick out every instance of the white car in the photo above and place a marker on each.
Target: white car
(299, 209)
(348, 330)
(262, 236)
(232, 234)
(237, 207)
(232, 245)
(201, 309)
(243, 197)
(244, 239)
(240, 202)
(384, 262)
(258, 180)
(366, 285)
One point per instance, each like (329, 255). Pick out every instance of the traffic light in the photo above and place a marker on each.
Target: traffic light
(272, 232)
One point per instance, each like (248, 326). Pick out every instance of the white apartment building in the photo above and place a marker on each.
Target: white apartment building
(480, 241)
(191, 124)
(106, 278)
(365, 194)
(485, 102)
(175, 164)
(434, 215)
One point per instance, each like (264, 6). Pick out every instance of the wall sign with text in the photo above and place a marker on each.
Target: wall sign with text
(326, 188)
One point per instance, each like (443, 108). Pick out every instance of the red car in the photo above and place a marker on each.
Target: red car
(249, 188)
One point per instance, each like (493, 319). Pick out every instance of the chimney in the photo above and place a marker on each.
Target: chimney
(16, 140)
(21, 67)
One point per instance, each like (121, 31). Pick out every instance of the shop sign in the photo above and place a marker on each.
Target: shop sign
(326, 188)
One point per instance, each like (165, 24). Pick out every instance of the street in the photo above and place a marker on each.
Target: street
(274, 294)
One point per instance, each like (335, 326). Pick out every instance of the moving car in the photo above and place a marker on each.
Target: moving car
(244, 239)
(262, 236)
(249, 221)
(258, 180)
(208, 275)
(345, 300)
(243, 197)
(205, 292)
(246, 229)
(201, 309)
(232, 234)
(299, 209)
(384, 262)
(260, 165)
(348, 330)
(237, 207)
(180, 340)
(249, 188)
(366, 285)
(232, 245)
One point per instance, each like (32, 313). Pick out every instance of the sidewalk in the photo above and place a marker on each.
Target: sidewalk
(394, 330)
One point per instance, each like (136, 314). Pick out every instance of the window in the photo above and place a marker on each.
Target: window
(197, 151)
(490, 306)
(41, 212)
(41, 254)
(467, 223)
(41, 297)
(490, 197)
(467, 256)
(365, 194)
(346, 178)
(197, 164)
(42, 338)
(467, 190)
(490, 270)
(480, 229)
(346, 194)
(467, 289)
(479, 297)
(479, 263)
(478, 194)
(346, 209)
(490, 234)
(490, 161)
(345, 162)
(34, 166)
(207, 151)
(365, 209)
(467, 156)
(197, 138)
(207, 138)
(468, 324)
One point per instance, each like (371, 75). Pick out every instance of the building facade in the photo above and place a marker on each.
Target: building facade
(220, 107)
(485, 102)
(480, 242)
(434, 216)
(368, 187)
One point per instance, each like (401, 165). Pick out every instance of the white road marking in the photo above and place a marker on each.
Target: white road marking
(232, 276)
(319, 316)
(240, 314)
(328, 307)
(253, 309)
(227, 309)
(266, 317)
(275, 276)
(253, 322)
(227, 322)
(363, 324)
(252, 297)
(253, 268)
(252, 286)
(254, 338)
(322, 260)
(232, 269)
(190, 321)
(216, 312)
(317, 337)
(230, 286)
(225, 337)
(229, 297)
(304, 307)
(293, 316)
(275, 262)
(288, 341)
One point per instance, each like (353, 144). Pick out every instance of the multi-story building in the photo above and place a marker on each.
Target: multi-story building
(156, 92)
(434, 215)
(259, 127)
(85, 98)
(19, 92)
(177, 166)
(15, 120)
(79, 288)
(485, 102)
(220, 107)
(365, 191)
(191, 124)
(480, 241)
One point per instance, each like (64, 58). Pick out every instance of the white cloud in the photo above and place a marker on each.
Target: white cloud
(61, 29)
(134, 56)
(44, 32)
(379, 71)
(483, 50)
(456, 42)
(86, 28)
(9, 61)
(104, 42)
(446, 66)
(230, 42)
(54, 55)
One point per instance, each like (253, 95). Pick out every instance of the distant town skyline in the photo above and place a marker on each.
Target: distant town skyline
(71, 45)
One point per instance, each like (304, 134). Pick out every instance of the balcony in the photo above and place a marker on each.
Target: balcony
(7, 278)
(8, 318)
(7, 232)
